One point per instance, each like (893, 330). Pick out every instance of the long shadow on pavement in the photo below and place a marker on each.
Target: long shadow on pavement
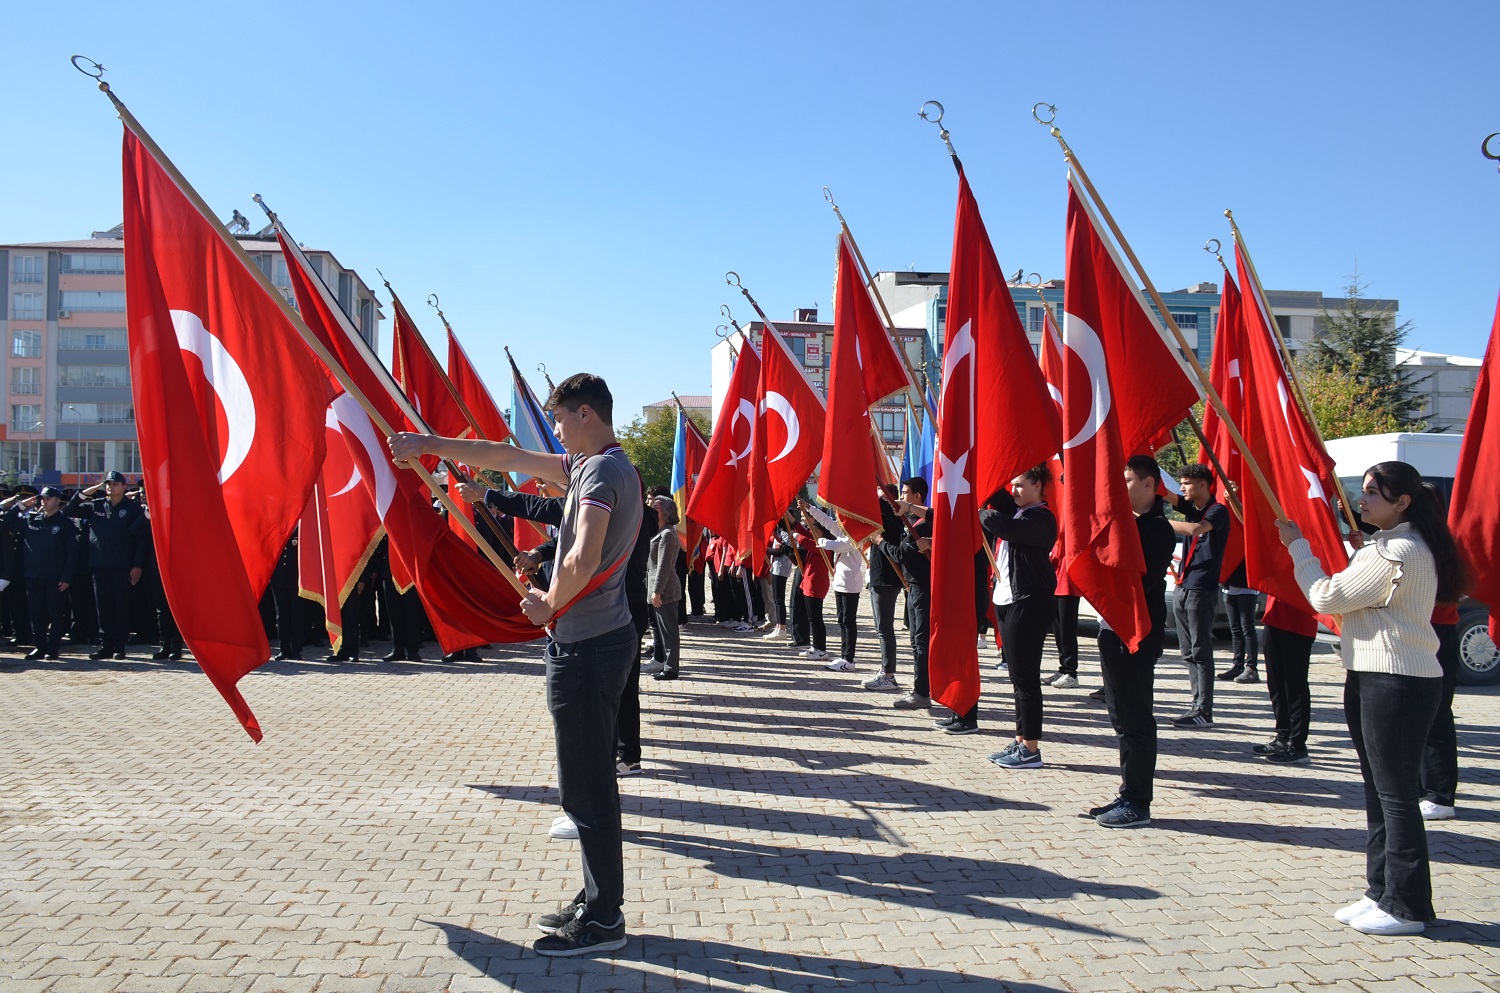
(707, 964)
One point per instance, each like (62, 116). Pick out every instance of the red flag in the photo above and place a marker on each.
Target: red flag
(1050, 357)
(786, 447)
(229, 410)
(993, 423)
(467, 604)
(695, 450)
(719, 499)
(475, 394)
(1122, 387)
(1287, 449)
(1474, 514)
(865, 370)
(1225, 375)
(422, 380)
(341, 525)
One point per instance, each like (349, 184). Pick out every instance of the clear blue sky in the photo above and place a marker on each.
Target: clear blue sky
(573, 180)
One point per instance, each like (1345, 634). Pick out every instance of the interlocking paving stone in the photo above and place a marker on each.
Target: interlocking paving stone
(791, 832)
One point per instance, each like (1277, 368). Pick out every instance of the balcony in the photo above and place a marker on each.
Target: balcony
(28, 277)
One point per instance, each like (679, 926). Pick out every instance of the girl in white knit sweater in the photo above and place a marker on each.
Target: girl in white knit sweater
(1385, 598)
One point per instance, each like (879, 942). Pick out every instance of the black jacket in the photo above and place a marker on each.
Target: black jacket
(49, 544)
(1158, 541)
(883, 570)
(916, 566)
(114, 531)
(1031, 537)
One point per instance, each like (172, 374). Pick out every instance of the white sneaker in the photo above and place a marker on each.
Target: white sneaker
(741, 627)
(563, 827)
(779, 632)
(882, 681)
(817, 655)
(1436, 811)
(1347, 914)
(838, 664)
(1065, 681)
(651, 668)
(1377, 921)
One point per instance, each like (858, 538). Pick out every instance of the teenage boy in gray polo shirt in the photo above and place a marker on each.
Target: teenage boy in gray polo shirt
(593, 640)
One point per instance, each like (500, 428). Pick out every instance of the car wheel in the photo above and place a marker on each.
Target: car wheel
(1479, 662)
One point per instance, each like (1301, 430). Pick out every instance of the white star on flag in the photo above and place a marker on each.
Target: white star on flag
(951, 480)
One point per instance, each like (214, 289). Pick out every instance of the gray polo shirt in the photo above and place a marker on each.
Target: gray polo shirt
(607, 481)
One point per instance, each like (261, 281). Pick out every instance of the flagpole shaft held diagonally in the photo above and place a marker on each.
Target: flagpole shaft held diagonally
(1204, 384)
(1291, 367)
(289, 313)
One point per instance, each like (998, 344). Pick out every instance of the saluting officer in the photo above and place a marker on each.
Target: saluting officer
(117, 556)
(49, 543)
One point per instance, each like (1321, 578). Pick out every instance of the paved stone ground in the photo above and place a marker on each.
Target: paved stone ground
(792, 833)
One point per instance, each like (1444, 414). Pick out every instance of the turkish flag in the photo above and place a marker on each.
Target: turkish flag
(865, 369)
(341, 525)
(229, 412)
(1122, 387)
(994, 422)
(719, 499)
(1286, 447)
(1225, 375)
(1474, 514)
(466, 380)
(787, 445)
(1050, 358)
(467, 603)
(422, 380)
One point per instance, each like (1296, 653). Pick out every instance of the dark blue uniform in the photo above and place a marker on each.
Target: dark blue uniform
(117, 544)
(49, 546)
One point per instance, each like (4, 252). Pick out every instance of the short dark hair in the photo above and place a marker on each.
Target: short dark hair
(1041, 475)
(1144, 466)
(1196, 470)
(917, 485)
(584, 388)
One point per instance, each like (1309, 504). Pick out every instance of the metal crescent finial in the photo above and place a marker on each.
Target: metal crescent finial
(938, 120)
(735, 281)
(828, 195)
(1484, 148)
(541, 367)
(1034, 280)
(382, 276)
(724, 309)
(98, 72)
(1213, 246)
(432, 301)
(723, 331)
(1051, 113)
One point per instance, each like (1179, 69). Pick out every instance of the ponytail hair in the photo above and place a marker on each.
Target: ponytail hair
(1428, 517)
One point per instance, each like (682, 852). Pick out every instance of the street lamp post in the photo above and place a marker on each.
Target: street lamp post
(78, 450)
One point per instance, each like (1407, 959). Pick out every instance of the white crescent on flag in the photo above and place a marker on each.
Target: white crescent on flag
(228, 383)
(1083, 342)
(780, 405)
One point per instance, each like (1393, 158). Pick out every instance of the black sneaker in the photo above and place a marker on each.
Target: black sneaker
(1098, 811)
(100, 655)
(1232, 672)
(581, 937)
(1271, 747)
(1126, 815)
(961, 726)
(1290, 756)
(551, 922)
(947, 722)
(1193, 721)
(36, 654)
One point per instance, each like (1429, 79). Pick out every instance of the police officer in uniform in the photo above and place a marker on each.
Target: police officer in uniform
(49, 544)
(117, 556)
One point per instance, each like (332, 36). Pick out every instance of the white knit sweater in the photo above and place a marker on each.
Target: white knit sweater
(1386, 596)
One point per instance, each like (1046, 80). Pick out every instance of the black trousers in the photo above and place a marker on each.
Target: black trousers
(48, 614)
(778, 592)
(1440, 762)
(1241, 610)
(1288, 656)
(917, 614)
(695, 592)
(407, 619)
(847, 607)
(1389, 717)
(112, 594)
(1024, 625)
(1065, 632)
(815, 625)
(352, 618)
(1129, 693)
(166, 624)
(883, 599)
(629, 721)
(289, 621)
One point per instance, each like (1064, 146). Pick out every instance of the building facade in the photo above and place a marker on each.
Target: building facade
(69, 413)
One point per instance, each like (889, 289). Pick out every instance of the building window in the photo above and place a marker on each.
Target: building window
(98, 413)
(25, 418)
(346, 293)
(367, 320)
(93, 301)
(91, 339)
(28, 269)
(26, 307)
(279, 275)
(24, 458)
(25, 344)
(106, 376)
(112, 264)
(1188, 325)
(891, 425)
(128, 456)
(1036, 318)
(25, 380)
(88, 456)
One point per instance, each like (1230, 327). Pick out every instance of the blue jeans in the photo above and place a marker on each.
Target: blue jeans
(585, 680)
(1389, 717)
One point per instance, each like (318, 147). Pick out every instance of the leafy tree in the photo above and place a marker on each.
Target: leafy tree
(1345, 407)
(649, 444)
(1358, 343)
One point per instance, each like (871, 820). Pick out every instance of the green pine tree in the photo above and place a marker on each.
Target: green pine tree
(1359, 342)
